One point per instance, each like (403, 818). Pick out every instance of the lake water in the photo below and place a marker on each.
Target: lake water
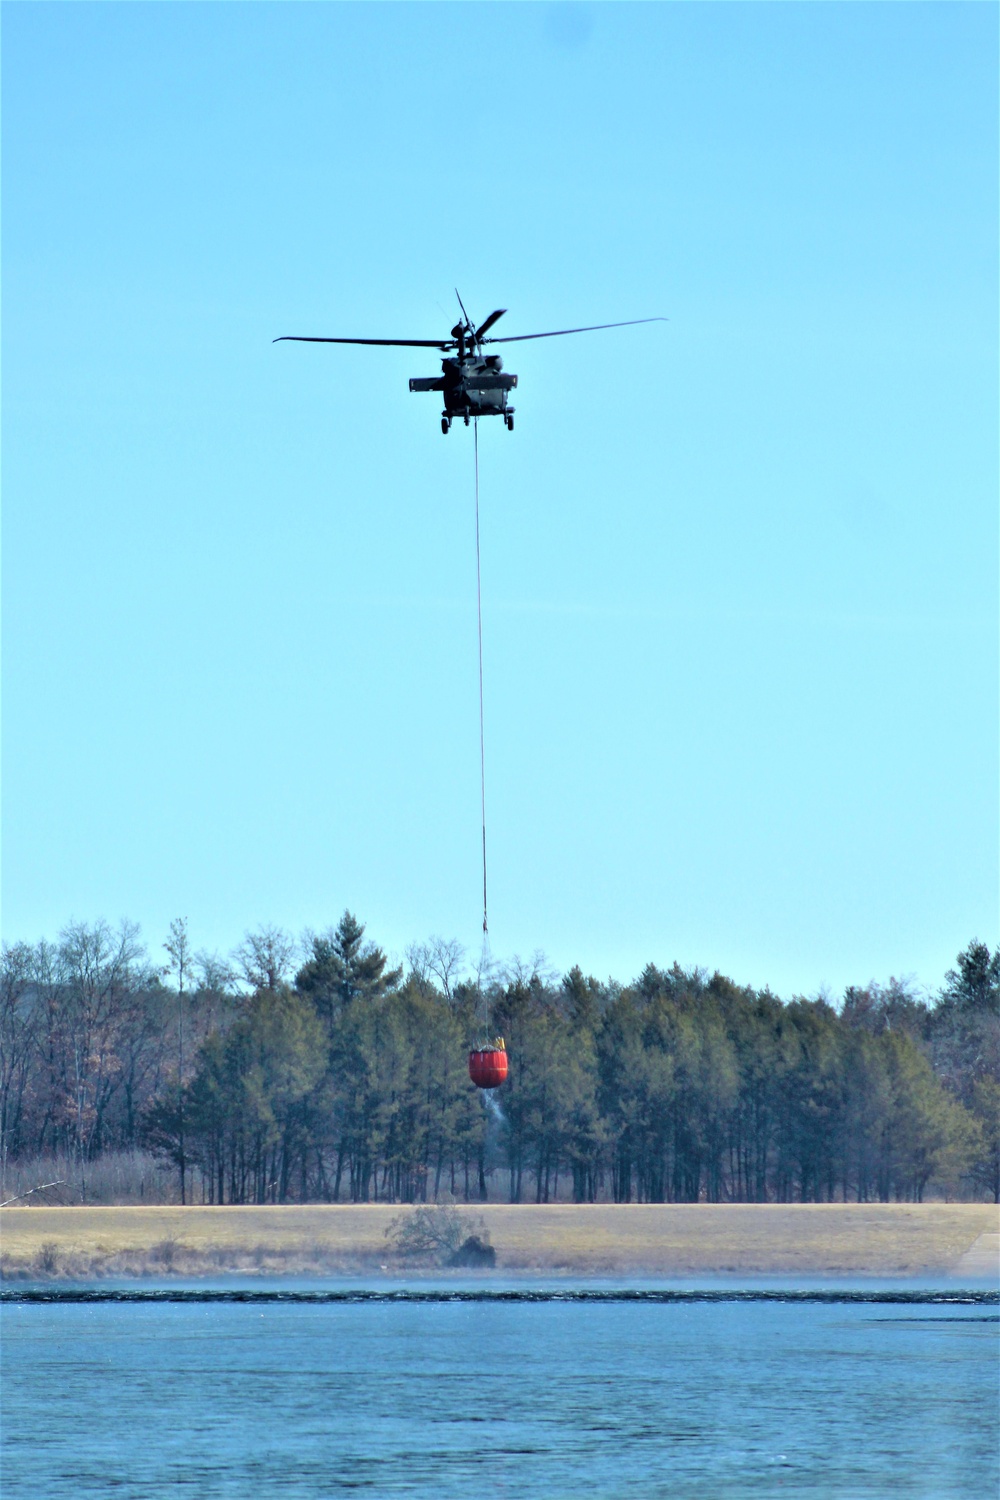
(491, 1397)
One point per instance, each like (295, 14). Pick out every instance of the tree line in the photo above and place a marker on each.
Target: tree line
(318, 1072)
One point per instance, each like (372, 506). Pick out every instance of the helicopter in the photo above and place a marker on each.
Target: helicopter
(472, 383)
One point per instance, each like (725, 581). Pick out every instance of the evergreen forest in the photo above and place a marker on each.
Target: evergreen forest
(314, 1071)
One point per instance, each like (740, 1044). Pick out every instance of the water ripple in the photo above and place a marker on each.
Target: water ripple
(902, 1298)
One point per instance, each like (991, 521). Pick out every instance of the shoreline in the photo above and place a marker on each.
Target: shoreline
(676, 1241)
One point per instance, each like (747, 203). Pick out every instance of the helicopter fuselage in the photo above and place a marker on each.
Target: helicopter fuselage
(473, 385)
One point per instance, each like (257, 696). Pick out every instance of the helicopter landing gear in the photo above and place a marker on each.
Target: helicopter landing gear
(445, 425)
(508, 417)
(466, 419)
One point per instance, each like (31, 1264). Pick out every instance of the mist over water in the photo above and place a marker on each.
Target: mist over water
(627, 1392)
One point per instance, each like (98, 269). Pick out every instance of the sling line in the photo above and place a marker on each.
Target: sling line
(479, 615)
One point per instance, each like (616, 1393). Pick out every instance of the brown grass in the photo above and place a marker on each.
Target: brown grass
(664, 1239)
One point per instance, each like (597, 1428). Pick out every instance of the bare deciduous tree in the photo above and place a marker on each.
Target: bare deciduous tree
(440, 957)
(265, 957)
(178, 947)
(101, 974)
(18, 1042)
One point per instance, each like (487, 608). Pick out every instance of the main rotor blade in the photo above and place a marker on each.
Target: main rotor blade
(302, 338)
(461, 304)
(489, 322)
(517, 338)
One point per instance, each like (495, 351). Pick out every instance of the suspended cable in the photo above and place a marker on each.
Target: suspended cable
(479, 615)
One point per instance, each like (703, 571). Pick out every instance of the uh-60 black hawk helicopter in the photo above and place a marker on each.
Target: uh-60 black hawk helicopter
(473, 383)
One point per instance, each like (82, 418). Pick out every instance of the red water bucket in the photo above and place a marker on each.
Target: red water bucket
(488, 1067)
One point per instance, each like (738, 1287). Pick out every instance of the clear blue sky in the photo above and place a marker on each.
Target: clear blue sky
(739, 569)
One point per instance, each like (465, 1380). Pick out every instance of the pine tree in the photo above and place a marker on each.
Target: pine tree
(344, 968)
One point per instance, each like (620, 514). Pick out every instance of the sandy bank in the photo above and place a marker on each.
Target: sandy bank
(661, 1239)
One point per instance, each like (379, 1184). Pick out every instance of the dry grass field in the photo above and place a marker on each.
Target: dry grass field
(589, 1240)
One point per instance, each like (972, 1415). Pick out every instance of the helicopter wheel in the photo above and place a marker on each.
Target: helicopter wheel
(508, 418)
(445, 426)
(467, 421)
